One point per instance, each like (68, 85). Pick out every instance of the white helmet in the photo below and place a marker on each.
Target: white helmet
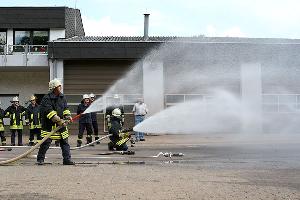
(92, 95)
(15, 99)
(116, 96)
(116, 112)
(85, 96)
(54, 84)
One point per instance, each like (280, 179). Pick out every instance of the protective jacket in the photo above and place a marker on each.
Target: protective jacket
(1, 119)
(108, 114)
(86, 118)
(16, 116)
(33, 115)
(52, 105)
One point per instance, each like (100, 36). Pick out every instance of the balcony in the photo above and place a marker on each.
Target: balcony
(23, 49)
(23, 55)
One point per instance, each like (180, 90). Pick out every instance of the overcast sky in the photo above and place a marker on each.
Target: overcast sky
(237, 18)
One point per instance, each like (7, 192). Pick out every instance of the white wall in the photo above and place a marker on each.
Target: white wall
(24, 83)
(57, 33)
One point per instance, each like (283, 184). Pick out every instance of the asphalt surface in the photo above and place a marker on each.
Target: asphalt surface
(212, 167)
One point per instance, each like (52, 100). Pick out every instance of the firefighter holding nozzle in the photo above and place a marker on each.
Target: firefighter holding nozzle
(119, 136)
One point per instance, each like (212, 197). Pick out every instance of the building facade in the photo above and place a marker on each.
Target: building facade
(34, 50)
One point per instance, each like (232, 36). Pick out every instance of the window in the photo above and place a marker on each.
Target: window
(40, 37)
(2, 41)
(2, 37)
(37, 39)
(22, 37)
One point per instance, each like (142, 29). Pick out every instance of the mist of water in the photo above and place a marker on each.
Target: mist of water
(220, 108)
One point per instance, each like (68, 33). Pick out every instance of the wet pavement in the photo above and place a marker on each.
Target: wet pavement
(270, 165)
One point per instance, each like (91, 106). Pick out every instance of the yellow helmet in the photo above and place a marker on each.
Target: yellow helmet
(32, 98)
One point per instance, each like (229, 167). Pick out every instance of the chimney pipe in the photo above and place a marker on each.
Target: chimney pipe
(146, 26)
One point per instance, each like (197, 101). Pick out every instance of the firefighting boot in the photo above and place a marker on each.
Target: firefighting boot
(31, 143)
(89, 139)
(3, 141)
(79, 142)
(68, 162)
(97, 138)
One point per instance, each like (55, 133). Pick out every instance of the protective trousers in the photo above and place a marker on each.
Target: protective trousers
(13, 136)
(95, 127)
(88, 127)
(64, 145)
(3, 139)
(37, 132)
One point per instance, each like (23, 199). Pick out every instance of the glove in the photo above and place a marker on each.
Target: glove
(62, 122)
(56, 119)
(69, 118)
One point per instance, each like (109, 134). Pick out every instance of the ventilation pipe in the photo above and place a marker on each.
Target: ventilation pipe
(146, 26)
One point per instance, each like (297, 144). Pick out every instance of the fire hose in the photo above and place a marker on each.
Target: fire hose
(23, 155)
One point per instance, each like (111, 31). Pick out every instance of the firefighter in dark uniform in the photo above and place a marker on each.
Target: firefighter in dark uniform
(118, 139)
(33, 119)
(85, 121)
(3, 139)
(94, 119)
(108, 114)
(54, 112)
(16, 113)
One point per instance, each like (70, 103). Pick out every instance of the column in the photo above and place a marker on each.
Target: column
(153, 85)
(57, 70)
(251, 92)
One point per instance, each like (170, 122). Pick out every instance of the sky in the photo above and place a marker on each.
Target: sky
(211, 18)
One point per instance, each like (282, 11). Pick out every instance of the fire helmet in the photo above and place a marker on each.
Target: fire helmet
(54, 84)
(116, 112)
(85, 96)
(32, 98)
(92, 95)
(15, 99)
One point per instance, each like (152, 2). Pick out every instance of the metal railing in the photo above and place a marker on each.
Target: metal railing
(271, 103)
(23, 49)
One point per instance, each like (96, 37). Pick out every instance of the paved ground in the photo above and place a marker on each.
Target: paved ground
(213, 167)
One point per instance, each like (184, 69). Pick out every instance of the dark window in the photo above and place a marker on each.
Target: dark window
(40, 37)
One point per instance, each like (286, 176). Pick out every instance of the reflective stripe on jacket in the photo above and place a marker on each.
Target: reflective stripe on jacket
(33, 115)
(52, 105)
(16, 116)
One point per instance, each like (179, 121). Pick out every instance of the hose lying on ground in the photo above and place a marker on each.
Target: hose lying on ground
(72, 148)
(89, 144)
(30, 150)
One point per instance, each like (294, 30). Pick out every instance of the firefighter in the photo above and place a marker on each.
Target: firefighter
(33, 119)
(85, 121)
(118, 139)
(108, 114)
(54, 112)
(3, 139)
(94, 119)
(16, 112)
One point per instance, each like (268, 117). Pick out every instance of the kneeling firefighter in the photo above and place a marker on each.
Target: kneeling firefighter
(119, 138)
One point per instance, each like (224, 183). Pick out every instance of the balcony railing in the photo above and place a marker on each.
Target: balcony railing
(23, 49)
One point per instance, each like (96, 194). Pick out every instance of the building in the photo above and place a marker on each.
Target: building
(35, 50)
